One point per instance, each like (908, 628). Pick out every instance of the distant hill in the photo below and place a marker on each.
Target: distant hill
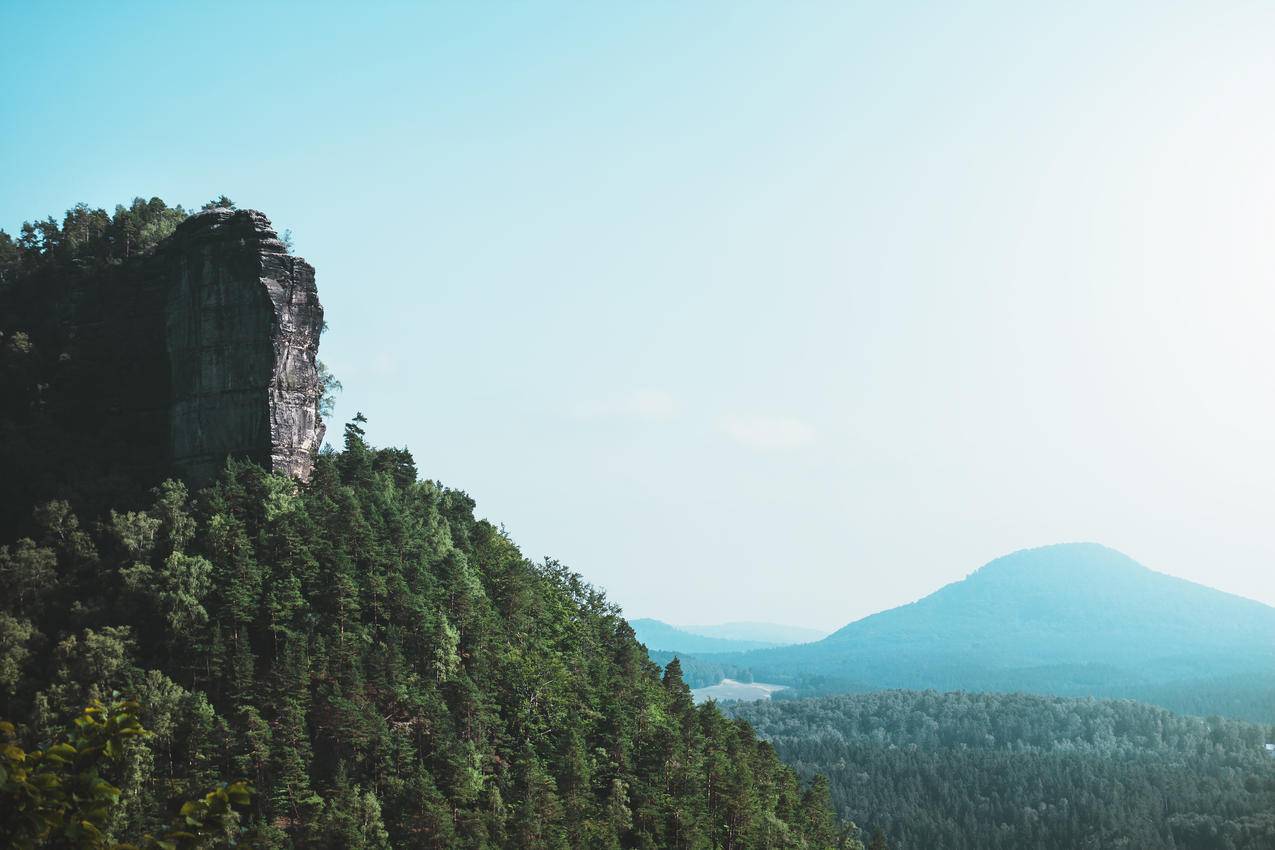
(658, 635)
(772, 633)
(1072, 619)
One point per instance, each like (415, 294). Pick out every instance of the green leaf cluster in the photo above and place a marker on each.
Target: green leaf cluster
(60, 796)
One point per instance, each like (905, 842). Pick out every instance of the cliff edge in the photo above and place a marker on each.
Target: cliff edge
(122, 365)
(241, 324)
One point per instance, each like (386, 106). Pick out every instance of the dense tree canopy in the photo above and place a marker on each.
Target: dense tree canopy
(62, 795)
(386, 669)
(1008, 771)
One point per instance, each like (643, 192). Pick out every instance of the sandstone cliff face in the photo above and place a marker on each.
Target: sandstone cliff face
(241, 325)
(118, 374)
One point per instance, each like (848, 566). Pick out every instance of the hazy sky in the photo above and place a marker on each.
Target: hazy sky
(777, 311)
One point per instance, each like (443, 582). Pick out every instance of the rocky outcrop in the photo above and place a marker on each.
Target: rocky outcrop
(241, 324)
(168, 363)
(119, 369)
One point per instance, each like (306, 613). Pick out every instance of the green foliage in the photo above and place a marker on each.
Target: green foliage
(14, 635)
(1007, 771)
(387, 669)
(61, 795)
(329, 387)
(219, 202)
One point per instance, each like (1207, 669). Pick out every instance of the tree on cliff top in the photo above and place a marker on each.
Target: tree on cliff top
(219, 202)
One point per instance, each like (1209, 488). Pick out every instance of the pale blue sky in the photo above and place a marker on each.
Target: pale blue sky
(784, 311)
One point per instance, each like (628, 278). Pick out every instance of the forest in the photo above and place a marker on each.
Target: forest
(382, 668)
(1007, 771)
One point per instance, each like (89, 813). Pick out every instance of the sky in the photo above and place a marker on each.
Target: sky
(745, 311)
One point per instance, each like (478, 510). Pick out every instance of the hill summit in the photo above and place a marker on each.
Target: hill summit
(1074, 618)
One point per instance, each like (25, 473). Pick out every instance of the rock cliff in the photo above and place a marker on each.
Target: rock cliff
(131, 370)
(241, 325)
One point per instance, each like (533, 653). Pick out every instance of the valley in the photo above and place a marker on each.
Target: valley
(728, 690)
(1057, 698)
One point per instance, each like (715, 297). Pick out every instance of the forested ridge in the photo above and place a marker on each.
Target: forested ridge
(989, 771)
(384, 668)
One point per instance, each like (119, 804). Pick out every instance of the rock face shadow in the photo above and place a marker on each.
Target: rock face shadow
(241, 325)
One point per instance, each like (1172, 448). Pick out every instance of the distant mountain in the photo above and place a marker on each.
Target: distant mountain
(723, 637)
(658, 635)
(1072, 619)
(772, 633)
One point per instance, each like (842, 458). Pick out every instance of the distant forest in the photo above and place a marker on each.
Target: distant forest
(1006, 772)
